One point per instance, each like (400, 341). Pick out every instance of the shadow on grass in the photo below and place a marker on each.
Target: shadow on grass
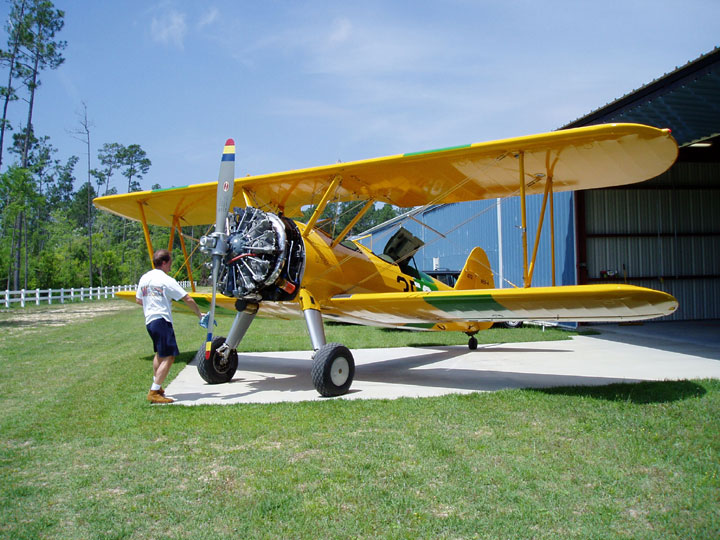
(639, 393)
(15, 323)
(183, 358)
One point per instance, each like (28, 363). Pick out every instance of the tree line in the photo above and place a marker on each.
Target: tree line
(51, 236)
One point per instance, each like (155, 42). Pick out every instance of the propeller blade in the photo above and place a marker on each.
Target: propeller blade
(226, 180)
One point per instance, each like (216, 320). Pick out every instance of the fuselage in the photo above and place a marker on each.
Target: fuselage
(350, 268)
(347, 268)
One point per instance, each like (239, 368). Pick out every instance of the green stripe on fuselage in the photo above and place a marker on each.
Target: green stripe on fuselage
(425, 281)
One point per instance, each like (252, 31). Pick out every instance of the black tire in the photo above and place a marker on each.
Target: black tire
(510, 324)
(333, 370)
(472, 343)
(215, 370)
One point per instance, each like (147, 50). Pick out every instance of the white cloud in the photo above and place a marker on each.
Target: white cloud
(169, 29)
(208, 17)
(341, 31)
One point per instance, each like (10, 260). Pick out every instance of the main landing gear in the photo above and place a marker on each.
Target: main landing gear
(333, 366)
(333, 370)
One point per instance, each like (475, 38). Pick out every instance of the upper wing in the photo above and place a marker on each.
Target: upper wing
(580, 303)
(582, 158)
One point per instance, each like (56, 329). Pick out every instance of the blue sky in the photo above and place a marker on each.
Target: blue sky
(305, 83)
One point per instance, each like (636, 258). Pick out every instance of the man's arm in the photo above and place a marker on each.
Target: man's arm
(192, 305)
(138, 301)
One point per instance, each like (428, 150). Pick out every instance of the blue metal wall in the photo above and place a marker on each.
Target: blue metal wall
(471, 224)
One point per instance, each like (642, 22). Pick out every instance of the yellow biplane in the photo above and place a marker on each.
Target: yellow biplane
(265, 263)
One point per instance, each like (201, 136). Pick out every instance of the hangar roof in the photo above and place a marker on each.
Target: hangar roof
(686, 100)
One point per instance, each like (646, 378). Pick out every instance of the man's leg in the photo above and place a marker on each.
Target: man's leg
(156, 385)
(156, 365)
(164, 365)
(156, 393)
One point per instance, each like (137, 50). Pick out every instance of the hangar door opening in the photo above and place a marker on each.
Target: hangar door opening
(663, 234)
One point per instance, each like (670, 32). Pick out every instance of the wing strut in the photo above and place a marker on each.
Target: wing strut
(329, 192)
(187, 259)
(171, 240)
(523, 214)
(353, 221)
(552, 230)
(148, 242)
(248, 199)
(531, 269)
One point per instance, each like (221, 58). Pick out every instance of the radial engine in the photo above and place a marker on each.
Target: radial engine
(263, 256)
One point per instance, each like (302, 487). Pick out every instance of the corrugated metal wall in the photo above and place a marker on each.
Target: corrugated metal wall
(664, 235)
(466, 225)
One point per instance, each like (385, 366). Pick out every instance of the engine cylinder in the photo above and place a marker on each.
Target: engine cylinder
(265, 257)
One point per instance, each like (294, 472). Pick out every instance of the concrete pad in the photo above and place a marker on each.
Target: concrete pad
(434, 371)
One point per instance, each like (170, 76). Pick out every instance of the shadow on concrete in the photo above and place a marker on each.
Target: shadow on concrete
(279, 374)
(698, 338)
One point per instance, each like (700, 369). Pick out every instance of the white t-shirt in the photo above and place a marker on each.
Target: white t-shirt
(156, 289)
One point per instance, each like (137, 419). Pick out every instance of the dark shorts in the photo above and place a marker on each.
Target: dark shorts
(163, 337)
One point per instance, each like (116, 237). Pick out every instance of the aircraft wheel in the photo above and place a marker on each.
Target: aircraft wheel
(333, 370)
(472, 343)
(216, 369)
(512, 324)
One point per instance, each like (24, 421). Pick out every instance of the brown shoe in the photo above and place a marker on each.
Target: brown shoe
(156, 396)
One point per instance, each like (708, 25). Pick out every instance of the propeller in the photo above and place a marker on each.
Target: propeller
(226, 180)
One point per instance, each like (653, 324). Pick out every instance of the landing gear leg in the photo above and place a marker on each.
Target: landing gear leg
(246, 312)
(472, 342)
(313, 320)
(333, 364)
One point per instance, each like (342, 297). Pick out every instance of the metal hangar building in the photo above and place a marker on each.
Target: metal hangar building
(663, 233)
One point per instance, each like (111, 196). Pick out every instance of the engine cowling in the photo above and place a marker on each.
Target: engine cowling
(264, 256)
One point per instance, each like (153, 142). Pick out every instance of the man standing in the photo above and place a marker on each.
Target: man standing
(155, 292)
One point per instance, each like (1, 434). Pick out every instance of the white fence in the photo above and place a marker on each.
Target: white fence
(60, 296)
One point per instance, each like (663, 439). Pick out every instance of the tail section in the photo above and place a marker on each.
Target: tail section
(477, 273)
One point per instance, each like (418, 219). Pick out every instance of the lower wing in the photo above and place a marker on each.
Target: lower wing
(578, 303)
(462, 310)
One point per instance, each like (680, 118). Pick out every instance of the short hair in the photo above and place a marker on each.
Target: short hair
(160, 257)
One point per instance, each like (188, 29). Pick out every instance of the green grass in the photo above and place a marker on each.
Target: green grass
(82, 454)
